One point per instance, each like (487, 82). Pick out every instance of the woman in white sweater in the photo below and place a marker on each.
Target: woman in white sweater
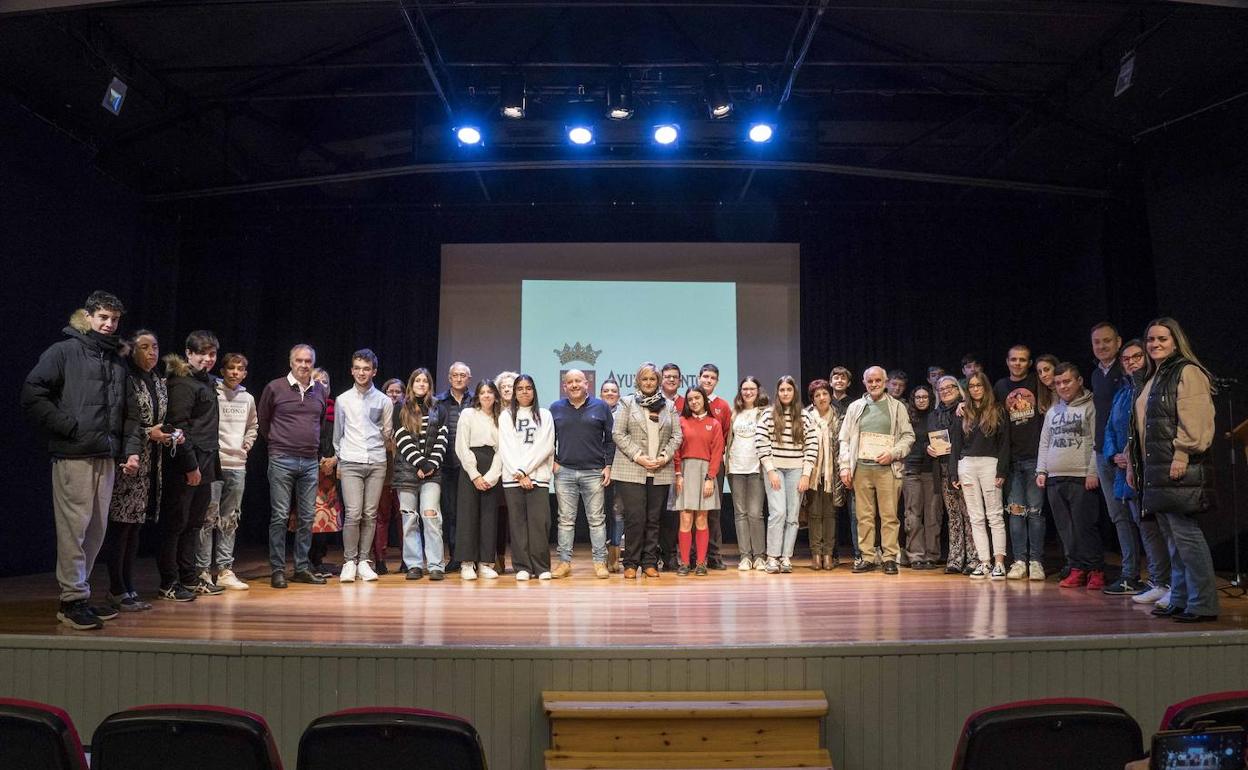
(745, 477)
(476, 446)
(526, 437)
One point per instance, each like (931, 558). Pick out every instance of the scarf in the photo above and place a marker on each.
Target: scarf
(654, 402)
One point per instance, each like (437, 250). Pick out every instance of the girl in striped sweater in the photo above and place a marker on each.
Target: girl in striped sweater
(788, 448)
(420, 436)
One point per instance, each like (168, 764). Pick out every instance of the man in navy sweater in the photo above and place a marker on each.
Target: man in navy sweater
(583, 446)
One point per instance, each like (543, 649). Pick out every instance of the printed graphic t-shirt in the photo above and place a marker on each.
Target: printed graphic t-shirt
(1019, 400)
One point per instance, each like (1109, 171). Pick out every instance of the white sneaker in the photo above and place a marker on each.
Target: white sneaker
(544, 576)
(1035, 570)
(746, 565)
(981, 572)
(467, 572)
(1164, 601)
(1018, 571)
(773, 565)
(347, 575)
(998, 572)
(206, 577)
(487, 572)
(786, 566)
(1151, 595)
(522, 575)
(366, 572)
(760, 564)
(227, 579)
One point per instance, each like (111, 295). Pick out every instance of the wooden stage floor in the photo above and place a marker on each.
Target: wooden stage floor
(725, 609)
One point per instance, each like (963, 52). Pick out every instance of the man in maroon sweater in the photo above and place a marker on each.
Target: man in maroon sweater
(292, 421)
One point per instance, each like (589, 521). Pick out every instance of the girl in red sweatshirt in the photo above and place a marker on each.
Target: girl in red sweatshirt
(697, 465)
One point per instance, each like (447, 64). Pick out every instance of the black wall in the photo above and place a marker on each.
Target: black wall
(66, 230)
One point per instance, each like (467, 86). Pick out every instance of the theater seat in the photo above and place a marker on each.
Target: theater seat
(181, 736)
(391, 738)
(1050, 733)
(36, 736)
(1223, 709)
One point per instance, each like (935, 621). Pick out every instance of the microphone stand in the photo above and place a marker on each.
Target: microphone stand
(1224, 385)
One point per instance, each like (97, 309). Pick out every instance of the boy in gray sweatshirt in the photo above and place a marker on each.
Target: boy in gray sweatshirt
(1066, 469)
(239, 426)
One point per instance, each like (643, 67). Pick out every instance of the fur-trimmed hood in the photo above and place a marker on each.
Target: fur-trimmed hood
(79, 320)
(176, 366)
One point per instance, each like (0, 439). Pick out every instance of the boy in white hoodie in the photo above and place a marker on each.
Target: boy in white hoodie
(239, 425)
(1066, 469)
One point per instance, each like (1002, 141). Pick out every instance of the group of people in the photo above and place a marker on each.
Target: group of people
(474, 466)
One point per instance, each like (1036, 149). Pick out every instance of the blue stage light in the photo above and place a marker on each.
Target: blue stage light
(666, 133)
(581, 135)
(468, 135)
(761, 132)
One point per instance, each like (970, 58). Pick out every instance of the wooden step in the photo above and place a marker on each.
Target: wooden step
(685, 721)
(681, 705)
(816, 759)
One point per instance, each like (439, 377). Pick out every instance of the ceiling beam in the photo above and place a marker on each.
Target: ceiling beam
(476, 167)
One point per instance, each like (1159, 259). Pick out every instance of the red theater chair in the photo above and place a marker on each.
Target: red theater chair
(1049, 733)
(36, 736)
(181, 736)
(1223, 709)
(393, 738)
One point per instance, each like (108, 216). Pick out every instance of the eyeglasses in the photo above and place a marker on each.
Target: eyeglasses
(947, 388)
(1134, 357)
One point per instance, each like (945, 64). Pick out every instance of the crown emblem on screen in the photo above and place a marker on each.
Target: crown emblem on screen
(578, 352)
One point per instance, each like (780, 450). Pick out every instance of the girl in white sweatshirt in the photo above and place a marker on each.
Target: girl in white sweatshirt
(526, 437)
(476, 446)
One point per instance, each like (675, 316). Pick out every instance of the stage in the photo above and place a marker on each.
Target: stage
(902, 659)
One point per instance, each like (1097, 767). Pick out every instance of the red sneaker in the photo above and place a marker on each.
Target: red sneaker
(1075, 579)
(1096, 580)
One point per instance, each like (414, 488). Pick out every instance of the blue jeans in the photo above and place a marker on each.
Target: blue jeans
(572, 485)
(420, 550)
(782, 509)
(614, 512)
(1193, 586)
(1120, 515)
(1155, 551)
(223, 514)
(1025, 512)
(291, 476)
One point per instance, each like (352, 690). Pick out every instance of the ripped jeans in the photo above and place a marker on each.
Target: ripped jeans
(422, 534)
(224, 511)
(1025, 512)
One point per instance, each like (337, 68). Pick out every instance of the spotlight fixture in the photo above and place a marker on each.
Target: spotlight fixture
(666, 133)
(620, 96)
(761, 133)
(468, 135)
(512, 101)
(114, 96)
(718, 101)
(580, 134)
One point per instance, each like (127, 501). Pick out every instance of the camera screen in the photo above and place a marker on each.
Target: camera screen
(1215, 750)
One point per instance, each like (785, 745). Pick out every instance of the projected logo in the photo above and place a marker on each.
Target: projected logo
(579, 352)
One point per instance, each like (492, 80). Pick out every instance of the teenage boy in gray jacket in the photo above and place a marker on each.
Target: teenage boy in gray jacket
(1066, 469)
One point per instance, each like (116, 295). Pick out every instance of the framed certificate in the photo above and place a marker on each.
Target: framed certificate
(872, 445)
(939, 440)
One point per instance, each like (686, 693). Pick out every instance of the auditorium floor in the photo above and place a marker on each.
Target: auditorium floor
(723, 609)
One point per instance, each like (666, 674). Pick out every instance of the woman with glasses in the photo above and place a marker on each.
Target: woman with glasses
(941, 425)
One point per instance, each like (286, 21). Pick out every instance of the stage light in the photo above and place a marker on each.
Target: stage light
(114, 96)
(580, 134)
(468, 136)
(666, 133)
(761, 133)
(620, 96)
(718, 101)
(512, 96)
